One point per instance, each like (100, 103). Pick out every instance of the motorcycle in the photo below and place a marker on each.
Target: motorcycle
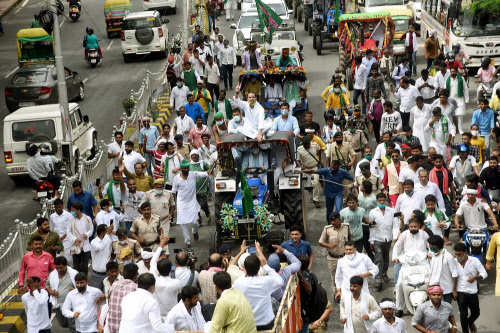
(484, 90)
(74, 13)
(93, 57)
(414, 274)
(477, 241)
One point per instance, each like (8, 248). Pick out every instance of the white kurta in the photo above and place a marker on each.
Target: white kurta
(438, 137)
(461, 101)
(346, 269)
(254, 118)
(179, 317)
(187, 205)
(419, 118)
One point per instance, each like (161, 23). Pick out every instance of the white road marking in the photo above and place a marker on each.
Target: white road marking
(25, 2)
(11, 72)
(109, 46)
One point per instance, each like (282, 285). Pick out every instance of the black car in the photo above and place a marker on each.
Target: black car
(37, 84)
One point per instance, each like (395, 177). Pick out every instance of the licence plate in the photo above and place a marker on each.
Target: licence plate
(18, 169)
(93, 61)
(23, 104)
(42, 194)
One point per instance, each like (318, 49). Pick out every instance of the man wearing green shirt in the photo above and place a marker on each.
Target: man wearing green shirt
(51, 241)
(355, 216)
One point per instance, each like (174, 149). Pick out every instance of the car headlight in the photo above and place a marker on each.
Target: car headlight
(220, 186)
(293, 181)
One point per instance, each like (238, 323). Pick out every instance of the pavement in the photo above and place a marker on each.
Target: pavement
(6, 6)
(108, 84)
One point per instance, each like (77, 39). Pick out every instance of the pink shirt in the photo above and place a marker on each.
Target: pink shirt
(486, 75)
(39, 266)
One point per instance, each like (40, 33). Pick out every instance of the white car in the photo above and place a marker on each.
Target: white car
(144, 33)
(161, 5)
(416, 6)
(243, 30)
(279, 7)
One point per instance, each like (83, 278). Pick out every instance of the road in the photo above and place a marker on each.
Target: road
(110, 83)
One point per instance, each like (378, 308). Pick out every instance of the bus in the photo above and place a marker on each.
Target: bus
(478, 34)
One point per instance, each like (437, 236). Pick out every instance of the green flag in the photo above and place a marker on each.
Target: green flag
(269, 21)
(337, 13)
(246, 196)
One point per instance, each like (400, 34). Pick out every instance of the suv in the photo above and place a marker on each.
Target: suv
(165, 5)
(144, 33)
(43, 125)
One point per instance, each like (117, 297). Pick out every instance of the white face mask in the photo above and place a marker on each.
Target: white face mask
(158, 191)
(474, 132)
(350, 256)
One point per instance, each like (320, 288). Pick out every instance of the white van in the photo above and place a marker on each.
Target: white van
(42, 124)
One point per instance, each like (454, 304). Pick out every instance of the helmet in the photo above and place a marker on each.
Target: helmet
(485, 61)
(89, 30)
(463, 149)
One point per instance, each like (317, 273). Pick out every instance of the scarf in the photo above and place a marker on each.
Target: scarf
(348, 326)
(227, 106)
(460, 85)
(338, 92)
(110, 191)
(433, 178)
(166, 166)
(437, 213)
(190, 79)
(444, 128)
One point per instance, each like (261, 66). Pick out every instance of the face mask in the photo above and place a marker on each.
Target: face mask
(158, 191)
(219, 122)
(414, 232)
(81, 289)
(284, 112)
(461, 259)
(433, 250)
(179, 84)
(126, 262)
(368, 157)
(349, 256)
(409, 193)
(74, 214)
(252, 104)
(338, 142)
(474, 132)
(352, 130)
(381, 205)
(237, 119)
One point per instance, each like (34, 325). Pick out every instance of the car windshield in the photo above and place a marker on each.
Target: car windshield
(26, 130)
(373, 3)
(278, 8)
(247, 21)
(138, 23)
(469, 25)
(29, 78)
(401, 23)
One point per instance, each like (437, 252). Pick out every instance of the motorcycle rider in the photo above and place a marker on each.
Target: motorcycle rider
(75, 3)
(41, 167)
(473, 211)
(90, 41)
(485, 77)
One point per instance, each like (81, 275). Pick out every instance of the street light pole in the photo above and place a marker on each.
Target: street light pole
(61, 76)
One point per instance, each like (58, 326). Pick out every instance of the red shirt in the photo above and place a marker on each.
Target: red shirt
(39, 266)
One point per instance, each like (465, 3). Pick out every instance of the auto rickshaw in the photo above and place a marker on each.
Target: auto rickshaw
(359, 32)
(402, 19)
(34, 46)
(114, 12)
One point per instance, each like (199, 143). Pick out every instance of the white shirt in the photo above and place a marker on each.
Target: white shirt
(212, 73)
(217, 47)
(407, 97)
(448, 271)
(114, 148)
(197, 65)
(166, 291)
(473, 214)
(85, 304)
(385, 224)
(227, 56)
(204, 52)
(432, 223)
(471, 268)
(360, 76)
(431, 188)
(117, 193)
(406, 204)
(462, 169)
(60, 224)
(183, 125)
(130, 160)
(426, 92)
(178, 97)
(380, 150)
(258, 290)
(273, 93)
(37, 311)
(454, 89)
(141, 313)
(390, 122)
(409, 242)
(441, 79)
(79, 227)
(346, 269)
(381, 325)
(104, 217)
(100, 250)
(254, 118)
(407, 173)
(187, 205)
(183, 273)
(182, 320)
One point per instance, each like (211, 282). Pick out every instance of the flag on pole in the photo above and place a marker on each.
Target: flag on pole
(246, 196)
(269, 21)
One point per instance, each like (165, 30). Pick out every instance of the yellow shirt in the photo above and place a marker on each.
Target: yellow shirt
(490, 255)
(143, 183)
(479, 143)
(204, 100)
(495, 103)
(233, 314)
(333, 101)
(326, 92)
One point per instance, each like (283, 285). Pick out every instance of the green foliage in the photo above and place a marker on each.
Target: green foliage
(489, 7)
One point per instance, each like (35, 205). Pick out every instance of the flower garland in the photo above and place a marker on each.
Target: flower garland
(263, 218)
(229, 222)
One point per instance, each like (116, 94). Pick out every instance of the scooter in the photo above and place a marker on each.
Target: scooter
(477, 241)
(484, 90)
(93, 57)
(414, 274)
(74, 13)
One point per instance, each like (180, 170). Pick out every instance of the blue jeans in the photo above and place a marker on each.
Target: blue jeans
(149, 163)
(331, 202)
(355, 96)
(211, 22)
(305, 328)
(412, 65)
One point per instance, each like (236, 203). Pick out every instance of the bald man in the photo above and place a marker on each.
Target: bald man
(205, 279)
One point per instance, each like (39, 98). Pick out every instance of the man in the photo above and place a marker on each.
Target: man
(59, 222)
(473, 211)
(198, 64)
(131, 157)
(35, 305)
(355, 216)
(459, 91)
(490, 255)
(292, 267)
(203, 97)
(124, 242)
(60, 282)
(233, 312)
(197, 131)
(442, 130)
(89, 203)
(411, 47)
(470, 271)
(390, 121)
(227, 58)
(41, 167)
(82, 304)
(162, 204)
(431, 48)
(434, 315)
(205, 279)
(186, 315)
(178, 95)
(80, 231)
(207, 150)
(447, 105)
(131, 202)
(391, 176)
(189, 75)
(100, 250)
(490, 177)
(170, 165)
(368, 158)
(141, 311)
(193, 108)
(250, 59)
(333, 238)
(285, 60)
(333, 191)
(258, 289)
(335, 96)
(183, 124)
(182, 148)
(297, 246)
(116, 148)
(35, 263)
(146, 229)
(355, 138)
(366, 174)
(425, 187)
(309, 160)
(443, 268)
(353, 264)
(51, 240)
(389, 322)
(342, 152)
(147, 139)
(383, 224)
(223, 105)
(119, 290)
(213, 77)
(462, 166)
(400, 71)
(187, 207)
(143, 182)
(184, 271)
(484, 117)
(407, 95)
(407, 202)
(286, 122)
(360, 76)
(254, 116)
(309, 124)
(166, 288)
(112, 276)
(114, 190)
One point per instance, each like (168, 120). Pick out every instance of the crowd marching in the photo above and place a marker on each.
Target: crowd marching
(105, 266)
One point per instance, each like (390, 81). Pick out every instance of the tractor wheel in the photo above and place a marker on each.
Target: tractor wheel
(319, 45)
(306, 23)
(314, 42)
(300, 14)
(291, 207)
(349, 78)
(310, 31)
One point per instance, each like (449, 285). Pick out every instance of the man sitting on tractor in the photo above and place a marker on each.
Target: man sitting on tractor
(285, 60)
(256, 158)
(332, 19)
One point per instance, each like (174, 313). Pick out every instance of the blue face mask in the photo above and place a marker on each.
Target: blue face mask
(219, 122)
(381, 205)
(74, 214)
(179, 84)
(237, 119)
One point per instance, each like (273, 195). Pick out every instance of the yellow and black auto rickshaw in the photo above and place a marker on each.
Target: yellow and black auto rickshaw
(114, 12)
(34, 46)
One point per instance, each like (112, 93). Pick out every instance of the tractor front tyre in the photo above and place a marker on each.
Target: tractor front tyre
(319, 45)
(291, 207)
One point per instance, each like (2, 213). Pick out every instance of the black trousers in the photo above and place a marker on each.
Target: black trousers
(366, 243)
(214, 91)
(227, 76)
(468, 302)
(405, 118)
(81, 262)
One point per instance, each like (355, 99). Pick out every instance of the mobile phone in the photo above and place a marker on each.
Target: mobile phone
(171, 240)
(98, 182)
(398, 214)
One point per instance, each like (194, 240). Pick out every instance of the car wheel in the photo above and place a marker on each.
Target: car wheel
(81, 92)
(126, 58)
(174, 11)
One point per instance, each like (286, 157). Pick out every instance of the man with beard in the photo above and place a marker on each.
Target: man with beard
(60, 282)
(434, 315)
(35, 263)
(388, 322)
(51, 240)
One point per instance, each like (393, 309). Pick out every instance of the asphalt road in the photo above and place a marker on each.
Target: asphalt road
(108, 84)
